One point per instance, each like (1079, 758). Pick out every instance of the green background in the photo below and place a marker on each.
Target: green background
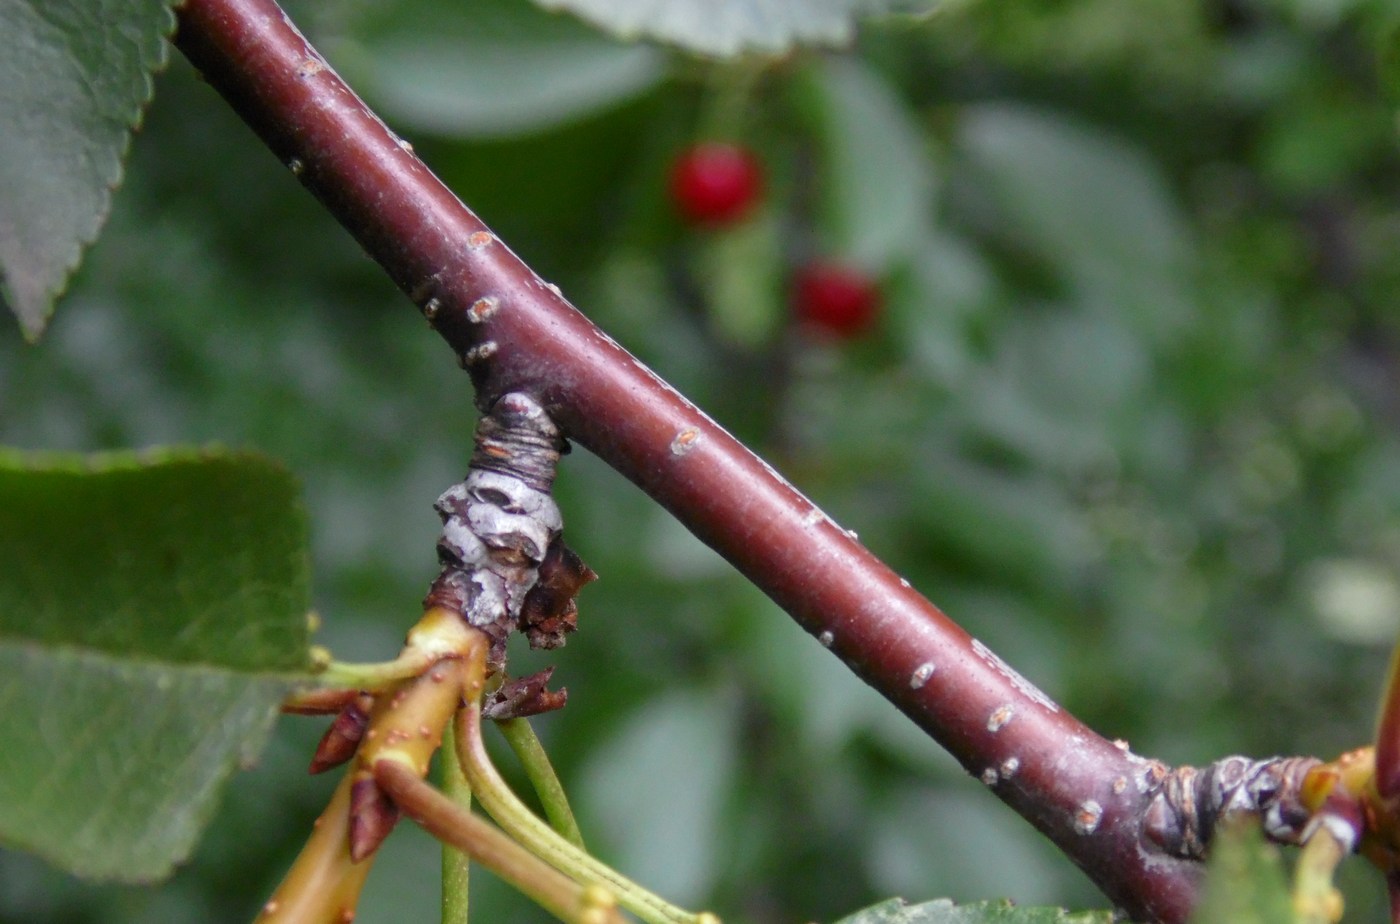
(1128, 416)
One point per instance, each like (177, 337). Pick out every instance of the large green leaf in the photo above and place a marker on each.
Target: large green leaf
(74, 76)
(942, 911)
(152, 615)
(879, 179)
(489, 68)
(729, 27)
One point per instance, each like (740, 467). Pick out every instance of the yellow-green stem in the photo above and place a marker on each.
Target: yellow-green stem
(323, 884)
(372, 677)
(438, 634)
(1315, 899)
(456, 864)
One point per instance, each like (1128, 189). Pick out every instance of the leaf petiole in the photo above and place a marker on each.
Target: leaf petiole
(440, 633)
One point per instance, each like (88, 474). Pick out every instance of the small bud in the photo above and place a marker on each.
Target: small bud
(342, 739)
(372, 816)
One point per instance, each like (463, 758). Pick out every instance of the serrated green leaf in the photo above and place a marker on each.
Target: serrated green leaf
(730, 27)
(1245, 883)
(152, 616)
(943, 911)
(74, 77)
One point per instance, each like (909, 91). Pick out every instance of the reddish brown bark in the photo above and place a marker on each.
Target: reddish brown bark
(515, 333)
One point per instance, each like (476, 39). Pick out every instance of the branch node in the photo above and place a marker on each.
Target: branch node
(505, 567)
(1188, 806)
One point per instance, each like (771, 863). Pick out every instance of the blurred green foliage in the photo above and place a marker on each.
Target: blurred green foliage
(1244, 883)
(1129, 415)
(943, 911)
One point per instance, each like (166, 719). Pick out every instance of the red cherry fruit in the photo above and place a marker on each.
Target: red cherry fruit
(837, 298)
(715, 183)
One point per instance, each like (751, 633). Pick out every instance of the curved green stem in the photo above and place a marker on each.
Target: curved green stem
(440, 633)
(448, 821)
(522, 824)
(526, 744)
(372, 677)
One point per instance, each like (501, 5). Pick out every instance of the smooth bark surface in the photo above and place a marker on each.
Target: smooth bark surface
(514, 332)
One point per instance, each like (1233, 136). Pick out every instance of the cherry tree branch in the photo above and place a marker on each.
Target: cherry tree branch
(514, 332)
